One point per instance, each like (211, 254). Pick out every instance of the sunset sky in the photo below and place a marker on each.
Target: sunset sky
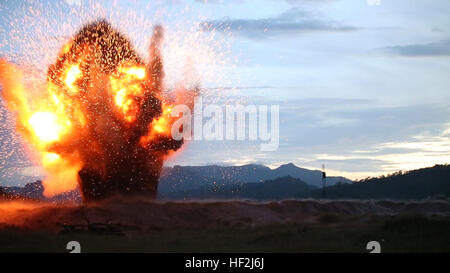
(362, 88)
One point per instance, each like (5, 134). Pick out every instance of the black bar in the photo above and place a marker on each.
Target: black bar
(230, 262)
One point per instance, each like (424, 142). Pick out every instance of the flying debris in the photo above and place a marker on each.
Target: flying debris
(103, 123)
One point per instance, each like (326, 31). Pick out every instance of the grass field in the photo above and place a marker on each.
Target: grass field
(332, 233)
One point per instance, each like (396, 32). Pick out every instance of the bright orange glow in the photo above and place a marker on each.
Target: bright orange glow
(160, 126)
(138, 72)
(58, 117)
(62, 174)
(120, 97)
(126, 86)
(50, 157)
(66, 48)
(73, 74)
(46, 126)
(89, 96)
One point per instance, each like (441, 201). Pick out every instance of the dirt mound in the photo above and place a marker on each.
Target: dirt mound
(141, 215)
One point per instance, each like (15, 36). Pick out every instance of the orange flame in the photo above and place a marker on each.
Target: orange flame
(55, 124)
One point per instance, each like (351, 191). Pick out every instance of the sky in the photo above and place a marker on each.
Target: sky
(362, 85)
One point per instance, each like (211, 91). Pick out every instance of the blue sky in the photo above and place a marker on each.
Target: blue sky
(362, 88)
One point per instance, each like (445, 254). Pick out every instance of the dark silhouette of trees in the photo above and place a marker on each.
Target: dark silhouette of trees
(415, 184)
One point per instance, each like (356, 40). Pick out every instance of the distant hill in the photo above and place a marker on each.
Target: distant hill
(178, 180)
(186, 178)
(3, 195)
(278, 189)
(215, 182)
(6, 195)
(33, 190)
(181, 181)
(417, 184)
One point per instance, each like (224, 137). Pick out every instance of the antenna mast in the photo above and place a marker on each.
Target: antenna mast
(324, 180)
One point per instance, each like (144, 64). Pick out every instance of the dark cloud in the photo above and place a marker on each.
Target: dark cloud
(440, 48)
(291, 22)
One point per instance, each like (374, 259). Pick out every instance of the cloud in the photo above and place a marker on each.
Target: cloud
(291, 22)
(440, 48)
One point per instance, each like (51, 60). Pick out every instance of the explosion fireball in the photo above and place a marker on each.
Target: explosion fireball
(103, 123)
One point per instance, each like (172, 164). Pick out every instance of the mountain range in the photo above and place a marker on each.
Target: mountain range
(248, 182)
(177, 181)
(186, 178)
(433, 182)
(278, 189)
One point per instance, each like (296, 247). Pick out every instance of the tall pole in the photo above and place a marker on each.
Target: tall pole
(324, 181)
